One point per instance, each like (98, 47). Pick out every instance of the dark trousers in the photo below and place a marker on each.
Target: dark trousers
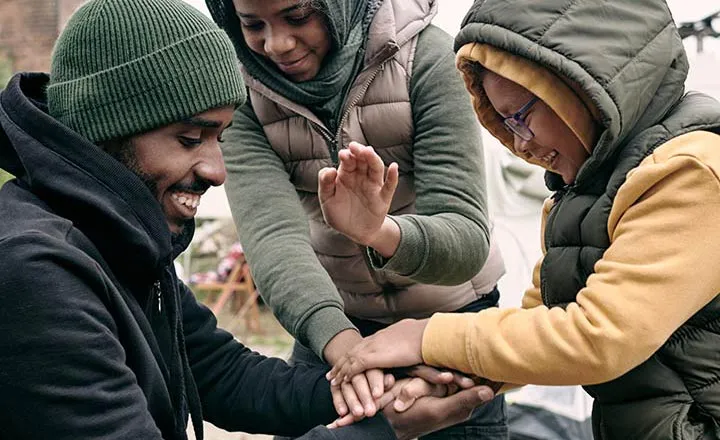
(487, 422)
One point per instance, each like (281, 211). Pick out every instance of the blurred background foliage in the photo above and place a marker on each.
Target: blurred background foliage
(5, 69)
(5, 73)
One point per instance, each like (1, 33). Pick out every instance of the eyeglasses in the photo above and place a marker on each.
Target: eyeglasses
(515, 124)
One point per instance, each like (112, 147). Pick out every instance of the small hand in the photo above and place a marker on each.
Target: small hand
(399, 393)
(355, 398)
(362, 403)
(399, 345)
(356, 197)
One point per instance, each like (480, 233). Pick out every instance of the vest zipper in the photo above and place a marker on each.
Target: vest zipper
(335, 145)
(158, 294)
(327, 136)
(557, 199)
(353, 103)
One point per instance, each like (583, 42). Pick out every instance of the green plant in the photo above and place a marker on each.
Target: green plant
(4, 177)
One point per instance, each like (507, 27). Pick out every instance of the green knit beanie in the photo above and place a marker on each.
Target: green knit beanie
(124, 67)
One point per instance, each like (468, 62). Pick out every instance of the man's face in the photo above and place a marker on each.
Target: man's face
(179, 162)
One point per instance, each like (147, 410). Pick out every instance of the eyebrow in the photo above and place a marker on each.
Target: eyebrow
(201, 122)
(284, 11)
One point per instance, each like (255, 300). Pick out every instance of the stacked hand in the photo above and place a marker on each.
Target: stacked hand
(356, 197)
(399, 345)
(429, 401)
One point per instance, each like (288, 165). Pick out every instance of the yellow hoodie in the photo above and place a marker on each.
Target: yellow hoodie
(659, 270)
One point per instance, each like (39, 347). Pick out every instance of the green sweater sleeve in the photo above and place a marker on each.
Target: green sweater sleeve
(447, 241)
(275, 235)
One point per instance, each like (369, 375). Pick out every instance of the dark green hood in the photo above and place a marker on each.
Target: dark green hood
(626, 56)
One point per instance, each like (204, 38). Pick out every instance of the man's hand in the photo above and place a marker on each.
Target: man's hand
(430, 414)
(355, 198)
(432, 411)
(357, 397)
(399, 345)
(402, 394)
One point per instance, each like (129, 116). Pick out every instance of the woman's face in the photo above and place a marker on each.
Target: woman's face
(289, 33)
(554, 144)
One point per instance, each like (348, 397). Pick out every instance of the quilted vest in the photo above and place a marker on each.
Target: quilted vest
(676, 393)
(378, 113)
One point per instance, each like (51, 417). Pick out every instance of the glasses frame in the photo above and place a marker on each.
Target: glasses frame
(516, 123)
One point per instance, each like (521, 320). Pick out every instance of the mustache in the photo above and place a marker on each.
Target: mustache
(198, 186)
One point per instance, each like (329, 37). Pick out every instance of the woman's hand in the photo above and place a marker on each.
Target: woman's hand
(355, 198)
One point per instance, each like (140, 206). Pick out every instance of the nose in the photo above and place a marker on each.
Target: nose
(278, 42)
(211, 167)
(520, 145)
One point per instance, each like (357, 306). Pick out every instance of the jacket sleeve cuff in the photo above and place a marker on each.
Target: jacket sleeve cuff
(320, 327)
(376, 427)
(410, 255)
(445, 342)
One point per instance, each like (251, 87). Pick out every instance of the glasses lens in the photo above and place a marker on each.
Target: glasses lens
(517, 127)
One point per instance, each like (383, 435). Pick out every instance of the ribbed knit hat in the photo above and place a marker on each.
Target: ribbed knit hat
(124, 67)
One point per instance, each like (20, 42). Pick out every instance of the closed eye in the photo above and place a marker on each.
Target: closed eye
(298, 20)
(190, 141)
(252, 26)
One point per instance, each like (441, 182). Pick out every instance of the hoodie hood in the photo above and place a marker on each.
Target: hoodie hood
(83, 184)
(624, 62)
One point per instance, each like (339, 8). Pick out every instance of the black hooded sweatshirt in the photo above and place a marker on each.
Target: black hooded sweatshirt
(98, 337)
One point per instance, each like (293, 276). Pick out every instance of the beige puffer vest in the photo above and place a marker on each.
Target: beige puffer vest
(377, 113)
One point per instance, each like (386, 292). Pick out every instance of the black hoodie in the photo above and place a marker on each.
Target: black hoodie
(98, 338)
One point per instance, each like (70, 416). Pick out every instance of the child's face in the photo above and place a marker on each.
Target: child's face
(554, 144)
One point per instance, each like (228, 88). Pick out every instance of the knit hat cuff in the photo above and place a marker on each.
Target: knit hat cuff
(165, 86)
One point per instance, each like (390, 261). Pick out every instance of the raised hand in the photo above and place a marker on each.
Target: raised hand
(399, 345)
(356, 197)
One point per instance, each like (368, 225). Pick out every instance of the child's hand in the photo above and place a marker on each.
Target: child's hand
(402, 394)
(354, 400)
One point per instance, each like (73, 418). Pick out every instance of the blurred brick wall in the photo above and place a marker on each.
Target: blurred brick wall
(29, 28)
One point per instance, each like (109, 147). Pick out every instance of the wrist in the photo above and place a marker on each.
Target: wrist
(387, 239)
(340, 344)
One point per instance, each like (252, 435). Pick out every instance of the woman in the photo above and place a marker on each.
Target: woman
(322, 74)
(625, 300)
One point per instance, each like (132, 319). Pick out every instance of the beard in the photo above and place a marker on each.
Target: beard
(123, 150)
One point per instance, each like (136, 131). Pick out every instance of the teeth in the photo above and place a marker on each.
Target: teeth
(190, 200)
(548, 158)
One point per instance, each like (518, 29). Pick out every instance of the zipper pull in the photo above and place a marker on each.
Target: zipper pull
(158, 292)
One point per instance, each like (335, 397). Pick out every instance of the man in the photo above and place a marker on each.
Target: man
(112, 152)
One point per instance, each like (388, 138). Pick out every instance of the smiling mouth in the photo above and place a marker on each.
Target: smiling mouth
(292, 64)
(188, 200)
(549, 158)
